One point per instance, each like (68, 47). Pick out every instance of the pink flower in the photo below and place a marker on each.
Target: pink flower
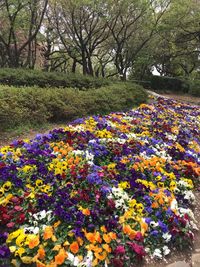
(119, 250)
(139, 237)
(10, 224)
(117, 263)
(137, 248)
(18, 208)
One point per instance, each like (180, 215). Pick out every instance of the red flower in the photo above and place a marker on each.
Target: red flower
(111, 204)
(139, 237)
(117, 263)
(137, 248)
(21, 218)
(120, 250)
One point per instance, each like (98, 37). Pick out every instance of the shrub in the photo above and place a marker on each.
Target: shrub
(195, 88)
(20, 106)
(145, 84)
(169, 84)
(25, 77)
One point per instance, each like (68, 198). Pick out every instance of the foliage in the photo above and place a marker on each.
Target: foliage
(24, 77)
(195, 88)
(169, 84)
(24, 105)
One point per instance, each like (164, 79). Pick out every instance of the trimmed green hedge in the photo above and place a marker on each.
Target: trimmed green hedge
(26, 77)
(169, 84)
(177, 85)
(20, 106)
(195, 88)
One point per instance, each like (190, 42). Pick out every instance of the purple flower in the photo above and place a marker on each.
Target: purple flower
(4, 252)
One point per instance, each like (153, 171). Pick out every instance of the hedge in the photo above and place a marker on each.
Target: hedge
(169, 84)
(26, 77)
(195, 88)
(20, 106)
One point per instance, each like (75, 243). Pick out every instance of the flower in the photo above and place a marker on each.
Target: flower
(119, 250)
(34, 242)
(60, 257)
(74, 247)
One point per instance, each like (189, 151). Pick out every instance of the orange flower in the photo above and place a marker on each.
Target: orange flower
(60, 258)
(86, 212)
(57, 224)
(132, 235)
(144, 227)
(74, 247)
(98, 237)
(112, 235)
(34, 242)
(40, 264)
(80, 241)
(107, 248)
(102, 256)
(90, 237)
(154, 205)
(57, 248)
(48, 232)
(41, 253)
(127, 229)
(106, 238)
(95, 262)
(103, 229)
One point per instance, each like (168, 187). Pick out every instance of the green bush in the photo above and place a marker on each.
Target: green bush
(169, 84)
(195, 88)
(25, 77)
(21, 106)
(145, 84)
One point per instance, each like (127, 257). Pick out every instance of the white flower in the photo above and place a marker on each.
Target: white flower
(153, 224)
(157, 253)
(166, 250)
(87, 261)
(74, 260)
(32, 230)
(166, 237)
(174, 204)
(189, 196)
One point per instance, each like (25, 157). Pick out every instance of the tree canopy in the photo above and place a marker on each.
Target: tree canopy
(102, 38)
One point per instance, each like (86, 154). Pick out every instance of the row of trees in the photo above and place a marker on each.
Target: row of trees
(102, 37)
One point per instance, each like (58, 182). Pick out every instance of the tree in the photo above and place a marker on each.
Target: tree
(177, 52)
(20, 24)
(82, 29)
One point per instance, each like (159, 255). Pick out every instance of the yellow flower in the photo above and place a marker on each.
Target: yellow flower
(139, 207)
(7, 186)
(27, 168)
(19, 252)
(1, 192)
(20, 239)
(111, 166)
(26, 259)
(12, 249)
(172, 185)
(14, 235)
(160, 184)
(39, 182)
(124, 185)
(132, 203)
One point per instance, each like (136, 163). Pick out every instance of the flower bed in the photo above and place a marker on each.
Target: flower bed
(104, 191)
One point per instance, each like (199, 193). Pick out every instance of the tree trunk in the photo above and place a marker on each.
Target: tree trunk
(74, 66)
